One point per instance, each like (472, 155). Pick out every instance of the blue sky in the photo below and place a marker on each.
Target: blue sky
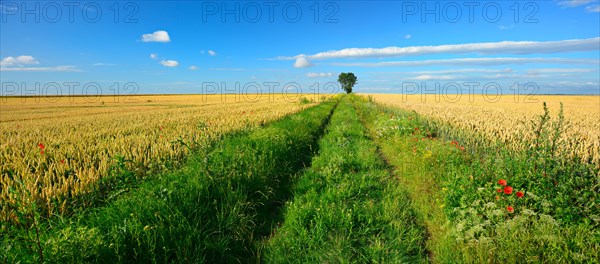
(392, 46)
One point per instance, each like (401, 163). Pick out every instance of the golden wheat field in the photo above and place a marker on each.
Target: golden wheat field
(501, 119)
(56, 148)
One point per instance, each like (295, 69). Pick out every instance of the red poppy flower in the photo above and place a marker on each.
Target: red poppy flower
(62, 161)
(499, 190)
(502, 182)
(510, 209)
(42, 152)
(519, 194)
(462, 148)
(41, 146)
(508, 190)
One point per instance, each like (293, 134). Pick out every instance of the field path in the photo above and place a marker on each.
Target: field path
(347, 206)
(397, 168)
(421, 187)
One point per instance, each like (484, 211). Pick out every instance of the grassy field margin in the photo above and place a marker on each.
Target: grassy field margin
(488, 204)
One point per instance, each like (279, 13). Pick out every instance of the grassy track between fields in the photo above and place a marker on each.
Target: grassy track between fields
(346, 181)
(347, 207)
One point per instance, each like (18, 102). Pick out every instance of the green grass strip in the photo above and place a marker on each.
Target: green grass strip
(456, 192)
(347, 207)
(212, 210)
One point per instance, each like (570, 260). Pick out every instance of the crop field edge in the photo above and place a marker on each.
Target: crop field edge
(81, 236)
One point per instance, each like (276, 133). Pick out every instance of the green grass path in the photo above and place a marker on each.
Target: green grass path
(347, 207)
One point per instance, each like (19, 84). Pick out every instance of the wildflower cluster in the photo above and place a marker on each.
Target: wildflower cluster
(508, 190)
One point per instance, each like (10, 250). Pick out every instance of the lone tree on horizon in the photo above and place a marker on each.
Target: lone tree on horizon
(347, 80)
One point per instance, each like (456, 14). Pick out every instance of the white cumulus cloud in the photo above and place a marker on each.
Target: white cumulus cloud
(23, 63)
(302, 62)
(157, 36)
(469, 61)
(558, 70)
(574, 3)
(502, 27)
(18, 61)
(593, 8)
(503, 47)
(428, 77)
(453, 71)
(42, 69)
(153, 56)
(212, 53)
(169, 63)
(318, 74)
(8, 9)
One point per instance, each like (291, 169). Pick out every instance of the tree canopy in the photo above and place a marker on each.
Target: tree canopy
(347, 80)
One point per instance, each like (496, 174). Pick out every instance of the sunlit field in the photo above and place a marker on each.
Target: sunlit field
(506, 119)
(300, 132)
(279, 179)
(56, 149)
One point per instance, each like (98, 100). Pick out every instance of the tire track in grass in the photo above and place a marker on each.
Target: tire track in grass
(347, 207)
(363, 112)
(418, 184)
(213, 210)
